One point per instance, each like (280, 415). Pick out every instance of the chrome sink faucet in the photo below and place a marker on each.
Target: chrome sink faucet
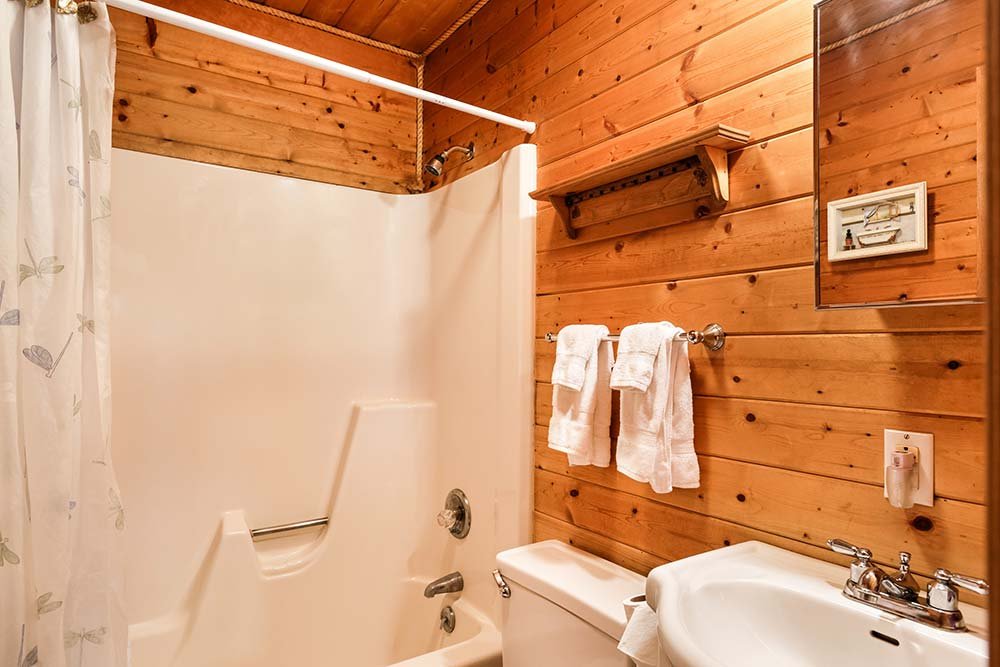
(899, 593)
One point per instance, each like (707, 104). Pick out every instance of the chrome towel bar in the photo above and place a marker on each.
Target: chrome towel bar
(274, 531)
(713, 336)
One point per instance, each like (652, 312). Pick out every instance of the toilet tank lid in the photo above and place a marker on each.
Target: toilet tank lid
(581, 583)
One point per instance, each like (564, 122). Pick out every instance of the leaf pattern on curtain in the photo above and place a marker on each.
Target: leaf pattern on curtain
(62, 516)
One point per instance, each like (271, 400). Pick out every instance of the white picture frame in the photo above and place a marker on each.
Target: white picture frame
(887, 222)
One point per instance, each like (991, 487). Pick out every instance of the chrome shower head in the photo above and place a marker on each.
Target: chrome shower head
(435, 166)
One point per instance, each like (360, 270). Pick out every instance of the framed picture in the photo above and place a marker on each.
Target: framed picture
(886, 222)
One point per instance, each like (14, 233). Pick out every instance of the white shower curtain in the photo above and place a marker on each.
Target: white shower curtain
(61, 518)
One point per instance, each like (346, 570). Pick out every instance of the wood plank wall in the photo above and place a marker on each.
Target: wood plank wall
(789, 416)
(189, 96)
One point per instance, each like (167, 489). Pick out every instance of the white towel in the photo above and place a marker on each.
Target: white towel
(575, 347)
(656, 440)
(581, 418)
(679, 429)
(642, 411)
(639, 640)
(637, 350)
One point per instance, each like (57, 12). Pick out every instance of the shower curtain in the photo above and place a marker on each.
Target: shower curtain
(61, 517)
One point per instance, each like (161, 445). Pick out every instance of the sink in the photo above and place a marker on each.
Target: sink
(755, 604)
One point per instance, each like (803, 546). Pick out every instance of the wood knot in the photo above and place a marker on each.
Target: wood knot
(740, 497)
(574, 493)
(751, 417)
(922, 523)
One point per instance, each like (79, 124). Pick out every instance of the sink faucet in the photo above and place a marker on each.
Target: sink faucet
(899, 593)
(449, 583)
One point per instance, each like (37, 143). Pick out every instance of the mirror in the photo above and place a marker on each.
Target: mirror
(899, 119)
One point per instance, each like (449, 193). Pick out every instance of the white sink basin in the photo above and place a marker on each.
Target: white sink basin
(754, 604)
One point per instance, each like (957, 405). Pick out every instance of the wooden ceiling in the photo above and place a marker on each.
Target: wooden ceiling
(410, 24)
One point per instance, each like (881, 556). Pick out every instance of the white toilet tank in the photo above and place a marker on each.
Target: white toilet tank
(565, 607)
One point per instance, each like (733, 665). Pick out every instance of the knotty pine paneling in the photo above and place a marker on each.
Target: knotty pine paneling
(185, 95)
(789, 416)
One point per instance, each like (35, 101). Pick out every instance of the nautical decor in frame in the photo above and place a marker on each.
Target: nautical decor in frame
(886, 222)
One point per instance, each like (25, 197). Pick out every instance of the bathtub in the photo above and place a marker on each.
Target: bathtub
(474, 643)
(355, 356)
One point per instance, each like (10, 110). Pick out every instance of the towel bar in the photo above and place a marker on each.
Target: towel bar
(713, 336)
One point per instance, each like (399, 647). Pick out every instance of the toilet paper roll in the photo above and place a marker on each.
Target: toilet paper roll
(631, 604)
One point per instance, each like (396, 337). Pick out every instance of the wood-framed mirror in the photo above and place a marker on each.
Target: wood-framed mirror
(900, 121)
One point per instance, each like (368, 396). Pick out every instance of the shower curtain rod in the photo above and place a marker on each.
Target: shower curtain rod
(310, 60)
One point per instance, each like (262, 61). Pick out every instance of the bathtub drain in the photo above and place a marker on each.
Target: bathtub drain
(448, 620)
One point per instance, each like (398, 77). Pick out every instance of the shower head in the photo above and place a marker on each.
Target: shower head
(435, 166)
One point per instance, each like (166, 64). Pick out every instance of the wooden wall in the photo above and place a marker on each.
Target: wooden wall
(789, 416)
(898, 106)
(185, 95)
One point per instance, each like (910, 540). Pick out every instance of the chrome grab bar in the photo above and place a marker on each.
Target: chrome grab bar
(274, 531)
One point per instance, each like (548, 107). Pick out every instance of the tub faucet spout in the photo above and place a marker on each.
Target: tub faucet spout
(449, 583)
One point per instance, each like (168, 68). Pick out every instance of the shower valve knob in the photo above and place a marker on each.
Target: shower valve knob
(447, 518)
(456, 517)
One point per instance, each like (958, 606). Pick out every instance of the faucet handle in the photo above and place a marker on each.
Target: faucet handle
(845, 548)
(447, 518)
(942, 593)
(968, 583)
(862, 565)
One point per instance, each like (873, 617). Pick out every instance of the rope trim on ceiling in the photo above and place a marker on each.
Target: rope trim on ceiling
(301, 20)
(881, 24)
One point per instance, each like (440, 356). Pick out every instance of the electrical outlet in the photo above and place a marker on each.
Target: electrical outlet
(923, 443)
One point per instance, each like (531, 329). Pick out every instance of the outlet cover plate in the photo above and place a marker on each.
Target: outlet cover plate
(924, 443)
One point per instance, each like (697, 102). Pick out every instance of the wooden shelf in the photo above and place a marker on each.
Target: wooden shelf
(710, 146)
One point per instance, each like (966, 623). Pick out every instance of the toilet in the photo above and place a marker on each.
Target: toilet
(565, 607)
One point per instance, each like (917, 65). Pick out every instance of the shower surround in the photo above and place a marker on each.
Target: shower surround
(286, 350)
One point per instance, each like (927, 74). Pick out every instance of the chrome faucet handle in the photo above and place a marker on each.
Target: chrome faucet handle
(942, 593)
(845, 548)
(861, 566)
(968, 583)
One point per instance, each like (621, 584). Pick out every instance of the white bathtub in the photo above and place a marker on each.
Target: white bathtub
(422, 643)
(336, 353)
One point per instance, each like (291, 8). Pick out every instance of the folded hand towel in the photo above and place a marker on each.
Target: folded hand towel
(640, 640)
(575, 346)
(581, 418)
(640, 437)
(637, 350)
